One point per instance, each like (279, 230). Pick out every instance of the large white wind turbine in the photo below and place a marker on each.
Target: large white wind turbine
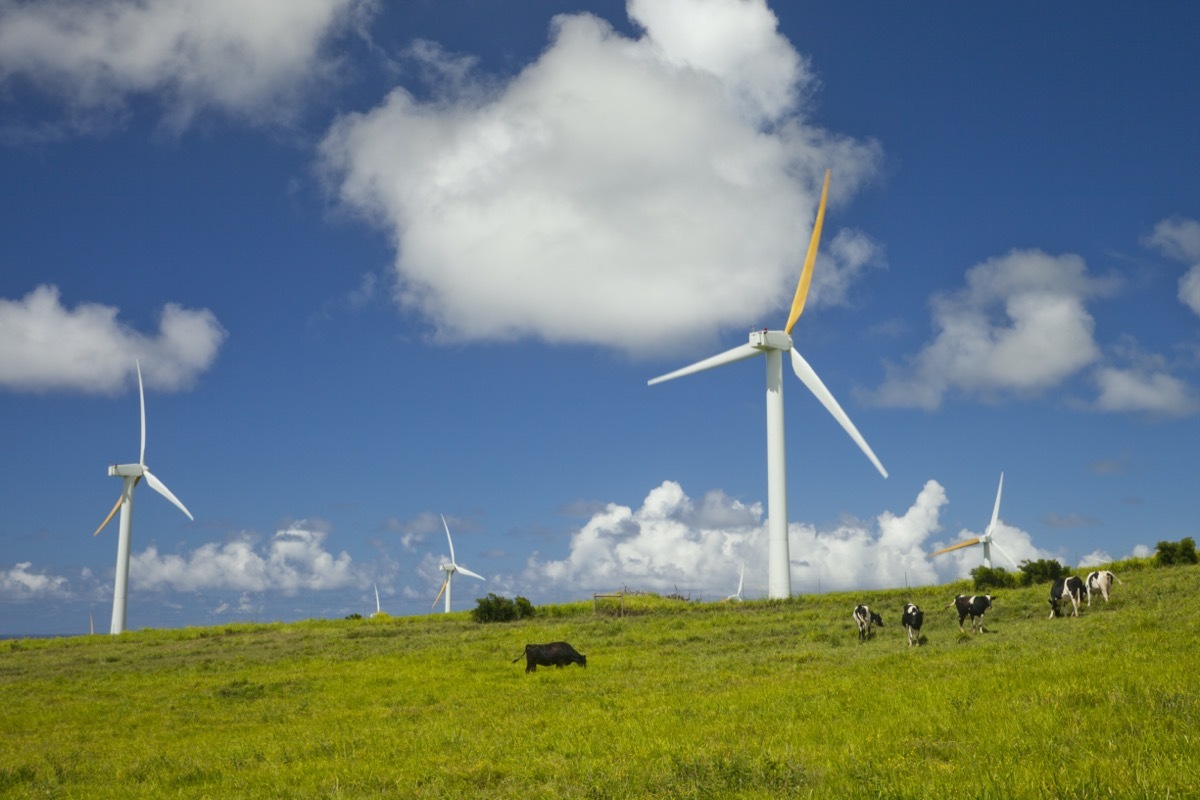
(986, 538)
(773, 344)
(450, 569)
(131, 474)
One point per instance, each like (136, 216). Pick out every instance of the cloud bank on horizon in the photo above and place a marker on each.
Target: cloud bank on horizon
(670, 543)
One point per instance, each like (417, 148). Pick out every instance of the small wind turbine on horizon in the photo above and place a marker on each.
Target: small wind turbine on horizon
(450, 569)
(131, 474)
(378, 609)
(741, 582)
(986, 538)
(773, 344)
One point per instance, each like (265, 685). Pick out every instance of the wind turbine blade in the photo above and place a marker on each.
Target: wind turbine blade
(466, 571)
(740, 353)
(809, 261)
(996, 508)
(377, 608)
(810, 379)
(1005, 554)
(958, 546)
(439, 594)
(142, 401)
(111, 514)
(161, 488)
(448, 539)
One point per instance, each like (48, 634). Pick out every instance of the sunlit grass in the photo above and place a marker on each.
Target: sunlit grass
(754, 700)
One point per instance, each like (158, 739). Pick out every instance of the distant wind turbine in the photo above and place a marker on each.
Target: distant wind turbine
(450, 569)
(741, 582)
(986, 538)
(378, 610)
(131, 474)
(773, 344)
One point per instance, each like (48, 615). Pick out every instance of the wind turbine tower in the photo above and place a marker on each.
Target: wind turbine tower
(773, 344)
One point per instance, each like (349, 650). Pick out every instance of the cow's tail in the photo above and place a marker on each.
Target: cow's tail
(518, 658)
(949, 605)
(1118, 580)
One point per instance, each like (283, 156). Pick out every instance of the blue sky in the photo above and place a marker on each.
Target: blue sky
(381, 262)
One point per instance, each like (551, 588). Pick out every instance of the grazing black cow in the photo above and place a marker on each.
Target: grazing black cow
(1070, 586)
(972, 607)
(1101, 582)
(554, 654)
(864, 617)
(911, 619)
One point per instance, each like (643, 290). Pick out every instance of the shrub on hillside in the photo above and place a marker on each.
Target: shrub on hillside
(494, 608)
(993, 578)
(1167, 554)
(1042, 571)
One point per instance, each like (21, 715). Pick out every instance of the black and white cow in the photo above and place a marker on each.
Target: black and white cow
(1064, 589)
(911, 619)
(554, 654)
(1101, 582)
(972, 607)
(864, 617)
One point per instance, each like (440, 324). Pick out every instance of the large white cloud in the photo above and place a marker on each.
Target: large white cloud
(635, 193)
(47, 347)
(294, 560)
(1019, 327)
(249, 59)
(673, 542)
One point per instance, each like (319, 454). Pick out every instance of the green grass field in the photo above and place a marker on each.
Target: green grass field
(679, 700)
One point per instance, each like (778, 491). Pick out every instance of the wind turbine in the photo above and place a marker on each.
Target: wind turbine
(741, 582)
(378, 610)
(131, 474)
(450, 569)
(773, 344)
(986, 538)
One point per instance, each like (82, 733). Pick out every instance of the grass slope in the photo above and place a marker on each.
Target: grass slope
(680, 700)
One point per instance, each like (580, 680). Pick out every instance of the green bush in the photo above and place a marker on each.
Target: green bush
(1042, 571)
(494, 608)
(993, 578)
(1168, 554)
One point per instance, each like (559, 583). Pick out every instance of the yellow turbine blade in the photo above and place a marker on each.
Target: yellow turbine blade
(809, 260)
(111, 514)
(108, 519)
(439, 594)
(967, 543)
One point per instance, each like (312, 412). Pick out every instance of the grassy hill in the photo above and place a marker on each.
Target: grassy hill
(679, 700)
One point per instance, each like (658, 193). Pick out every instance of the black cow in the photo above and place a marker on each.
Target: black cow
(972, 607)
(912, 619)
(554, 654)
(1064, 589)
(864, 617)
(1100, 582)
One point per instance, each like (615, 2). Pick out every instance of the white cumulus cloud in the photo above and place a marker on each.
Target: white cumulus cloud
(45, 346)
(18, 584)
(629, 192)
(1179, 239)
(1019, 327)
(294, 560)
(673, 542)
(252, 60)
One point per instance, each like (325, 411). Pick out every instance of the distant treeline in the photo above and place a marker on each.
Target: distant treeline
(1044, 570)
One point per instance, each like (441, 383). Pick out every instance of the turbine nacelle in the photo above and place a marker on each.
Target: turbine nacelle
(770, 340)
